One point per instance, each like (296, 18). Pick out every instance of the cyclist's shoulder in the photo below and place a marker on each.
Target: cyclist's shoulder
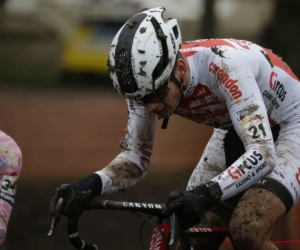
(210, 43)
(219, 47)
(229, 51)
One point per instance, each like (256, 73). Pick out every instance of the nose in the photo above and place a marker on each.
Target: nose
(153, 107)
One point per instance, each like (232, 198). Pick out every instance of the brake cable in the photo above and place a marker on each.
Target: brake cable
(147, 219)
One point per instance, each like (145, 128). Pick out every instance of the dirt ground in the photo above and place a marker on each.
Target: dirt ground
(30, 221)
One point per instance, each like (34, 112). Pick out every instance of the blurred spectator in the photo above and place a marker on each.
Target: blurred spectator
(283, 32)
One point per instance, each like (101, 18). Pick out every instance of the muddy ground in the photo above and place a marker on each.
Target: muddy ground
(109, 229)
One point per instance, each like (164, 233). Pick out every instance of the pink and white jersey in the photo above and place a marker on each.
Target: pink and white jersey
(10, 169)
(233, 83)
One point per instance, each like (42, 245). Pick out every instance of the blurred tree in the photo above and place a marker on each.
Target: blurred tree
(208, 21)
(282, 34)
(2, 2)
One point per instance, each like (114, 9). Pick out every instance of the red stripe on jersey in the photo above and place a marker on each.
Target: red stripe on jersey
(206, 43)
(278, 62)
(202, 43)
(188, 53)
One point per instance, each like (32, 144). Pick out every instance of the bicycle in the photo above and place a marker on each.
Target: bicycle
(164, 235)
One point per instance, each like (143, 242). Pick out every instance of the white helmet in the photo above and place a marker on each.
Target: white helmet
(143, 53)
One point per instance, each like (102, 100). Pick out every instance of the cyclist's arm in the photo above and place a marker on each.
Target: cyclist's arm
(133, 162)
(11, 160)
(7, 199)
(252, 126)
(212, 161)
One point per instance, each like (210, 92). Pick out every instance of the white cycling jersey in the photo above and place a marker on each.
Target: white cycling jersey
(236, 84)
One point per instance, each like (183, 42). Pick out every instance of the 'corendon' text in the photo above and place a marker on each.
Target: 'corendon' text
(224, 78)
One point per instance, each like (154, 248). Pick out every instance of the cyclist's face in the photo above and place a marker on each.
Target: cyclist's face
(165, 101)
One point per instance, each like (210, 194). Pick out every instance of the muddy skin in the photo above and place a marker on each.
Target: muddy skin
(217, 51)
(250, 223)
(253, 218)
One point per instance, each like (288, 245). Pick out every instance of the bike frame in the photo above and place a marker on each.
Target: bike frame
(164, 234)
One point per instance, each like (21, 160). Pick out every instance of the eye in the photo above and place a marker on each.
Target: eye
(149, 99)
(162, 91)
(159, 94)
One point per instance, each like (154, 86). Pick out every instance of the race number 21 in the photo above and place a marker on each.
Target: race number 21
(257, 131)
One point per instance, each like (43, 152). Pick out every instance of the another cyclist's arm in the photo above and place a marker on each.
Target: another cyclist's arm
(133, 162)
(244, 97)
(11, 157)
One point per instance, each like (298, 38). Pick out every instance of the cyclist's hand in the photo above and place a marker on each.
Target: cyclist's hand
(76, 195)
(187, 206)
(190, 205)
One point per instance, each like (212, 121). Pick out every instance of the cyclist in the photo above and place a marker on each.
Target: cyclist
(244, 179)
(10, 169)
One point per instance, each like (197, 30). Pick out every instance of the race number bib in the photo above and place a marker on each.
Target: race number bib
(8, 188)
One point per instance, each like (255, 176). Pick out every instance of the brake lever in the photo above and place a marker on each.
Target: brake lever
(56, 217)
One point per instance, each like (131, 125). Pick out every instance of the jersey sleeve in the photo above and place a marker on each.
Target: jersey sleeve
(236, 84)
(133, 162)
(212, 161)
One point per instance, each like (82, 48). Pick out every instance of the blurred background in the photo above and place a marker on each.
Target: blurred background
(57, 103)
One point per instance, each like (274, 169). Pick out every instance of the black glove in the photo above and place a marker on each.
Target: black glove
(76, 195)
(190, 205)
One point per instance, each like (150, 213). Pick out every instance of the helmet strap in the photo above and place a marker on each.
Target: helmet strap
(182, 88)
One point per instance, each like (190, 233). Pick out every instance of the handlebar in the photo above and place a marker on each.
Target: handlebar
(152, 209)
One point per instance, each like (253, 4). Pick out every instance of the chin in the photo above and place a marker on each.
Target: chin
(167, 115)
(163, 116)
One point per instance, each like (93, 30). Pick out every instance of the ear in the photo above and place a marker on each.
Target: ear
(181, 68)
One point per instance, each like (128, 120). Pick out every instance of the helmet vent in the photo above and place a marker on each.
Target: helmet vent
(175, 31)
(124, 68)
(164, 56)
